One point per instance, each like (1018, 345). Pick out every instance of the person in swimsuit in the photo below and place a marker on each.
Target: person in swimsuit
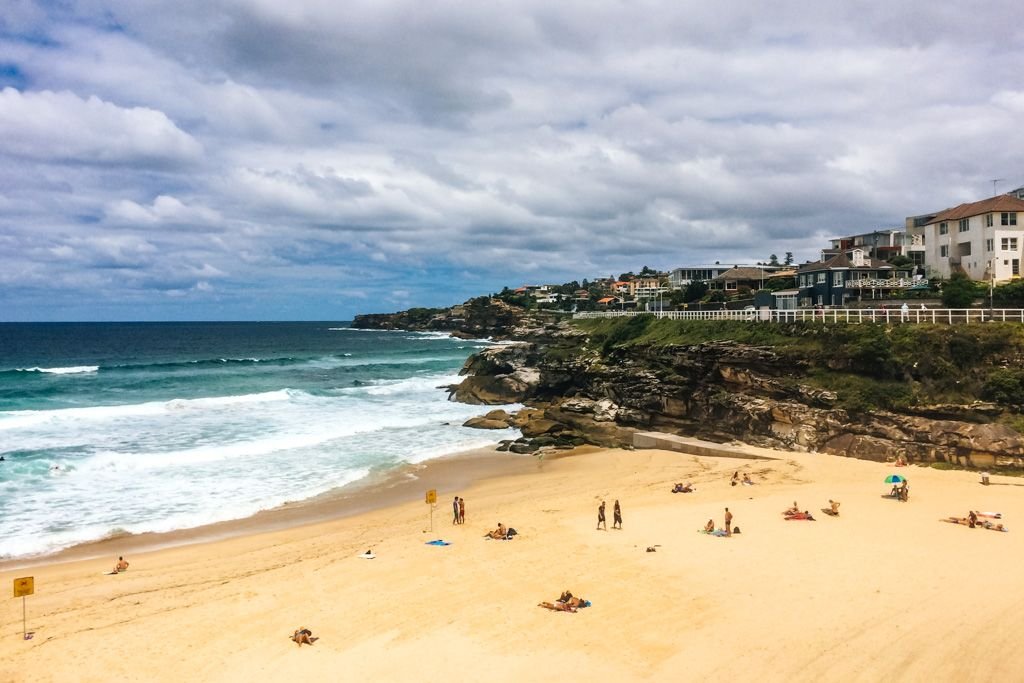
(303, 635)
(121, 566)
(728, 522)
(710, 526)
(616, 516)
(455, 510)
(600, 517)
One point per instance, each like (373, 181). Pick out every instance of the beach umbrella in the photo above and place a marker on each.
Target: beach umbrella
(894, 479)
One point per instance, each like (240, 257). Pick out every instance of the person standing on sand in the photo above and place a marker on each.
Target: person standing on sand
(616, 516)
(728, 522)
(600, 517)
(455, 510)
(462, 511)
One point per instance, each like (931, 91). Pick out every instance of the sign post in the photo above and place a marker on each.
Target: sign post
(432, 502)
(23, 587)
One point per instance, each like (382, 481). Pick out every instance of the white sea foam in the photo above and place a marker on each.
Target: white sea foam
(17, 419)
(73, 370)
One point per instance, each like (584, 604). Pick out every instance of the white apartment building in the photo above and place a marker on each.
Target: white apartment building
(646, 288)
(985, 239)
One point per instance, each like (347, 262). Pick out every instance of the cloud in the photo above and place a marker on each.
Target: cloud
(426, 153)
(63, 127)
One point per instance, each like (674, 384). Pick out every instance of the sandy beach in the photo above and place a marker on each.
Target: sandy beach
(883, 592)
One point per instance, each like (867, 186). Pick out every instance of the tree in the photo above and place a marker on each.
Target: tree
(645, 271)
(959, 291)
(789, 259)
(900, 261)
(694, 291)
(773, 260)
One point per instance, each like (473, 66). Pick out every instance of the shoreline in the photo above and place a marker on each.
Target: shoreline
(378, 490)
(885, 577)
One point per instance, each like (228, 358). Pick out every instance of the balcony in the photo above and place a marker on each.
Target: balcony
(885, 283)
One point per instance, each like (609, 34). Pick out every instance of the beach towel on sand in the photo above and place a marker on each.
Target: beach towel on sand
(438, 542)
(721, 533)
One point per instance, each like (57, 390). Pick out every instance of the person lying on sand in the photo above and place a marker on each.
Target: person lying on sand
(500, 533)
(569, 599)
(303, 635)
(557, 606)
(680, 488)
(800, 515)
(710, 526)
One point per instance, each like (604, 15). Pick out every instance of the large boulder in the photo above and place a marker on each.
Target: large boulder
(485, 423)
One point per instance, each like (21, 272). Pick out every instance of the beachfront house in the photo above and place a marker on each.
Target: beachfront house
(878, 244)
(733, 279)
(850, 276)
(983, 239)
(644, 288)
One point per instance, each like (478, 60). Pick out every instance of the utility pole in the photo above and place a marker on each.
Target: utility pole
(995, 182)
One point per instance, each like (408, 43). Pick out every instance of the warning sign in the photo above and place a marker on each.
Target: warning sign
(24, 586)
(432, 496)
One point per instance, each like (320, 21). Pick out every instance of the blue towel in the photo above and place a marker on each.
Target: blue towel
(438, 542)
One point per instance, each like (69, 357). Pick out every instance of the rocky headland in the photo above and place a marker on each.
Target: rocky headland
(926, 393)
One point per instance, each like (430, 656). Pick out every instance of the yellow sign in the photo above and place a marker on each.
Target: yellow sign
(432, 496)
(24, 586)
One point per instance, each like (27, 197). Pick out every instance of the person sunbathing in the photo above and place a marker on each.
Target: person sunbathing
(557, 606)
(801, 515)
(834, 504)
(500, 533)
(121, 566)
(303, 635)
(710, 526)
(679, 488)
(747, 481)
(793, 510)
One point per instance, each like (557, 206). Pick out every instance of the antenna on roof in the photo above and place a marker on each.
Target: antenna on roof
(996, 181)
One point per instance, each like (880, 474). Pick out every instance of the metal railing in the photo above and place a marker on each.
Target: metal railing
(885, 283)
(937, 316)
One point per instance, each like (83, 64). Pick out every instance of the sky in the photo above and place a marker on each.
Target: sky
(314, 159)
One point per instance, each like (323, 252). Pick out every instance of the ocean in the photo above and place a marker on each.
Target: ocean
(114, 428)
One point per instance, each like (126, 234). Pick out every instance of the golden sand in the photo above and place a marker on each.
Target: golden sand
(883, 592)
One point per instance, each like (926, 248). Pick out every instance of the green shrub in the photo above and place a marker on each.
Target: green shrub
(1004, 385)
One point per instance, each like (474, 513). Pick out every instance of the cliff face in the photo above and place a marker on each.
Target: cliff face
(720, 390)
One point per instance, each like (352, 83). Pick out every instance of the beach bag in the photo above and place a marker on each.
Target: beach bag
(736, 530)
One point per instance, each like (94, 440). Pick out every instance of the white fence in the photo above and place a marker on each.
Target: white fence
(836, 315)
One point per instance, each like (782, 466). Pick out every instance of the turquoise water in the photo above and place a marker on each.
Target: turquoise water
(134, 427)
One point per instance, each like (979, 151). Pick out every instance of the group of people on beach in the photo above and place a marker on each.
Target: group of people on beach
(566, 602)
(746, 480)
(458, 511)
(616, 519)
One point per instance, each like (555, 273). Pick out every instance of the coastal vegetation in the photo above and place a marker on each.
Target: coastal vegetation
(867, 366)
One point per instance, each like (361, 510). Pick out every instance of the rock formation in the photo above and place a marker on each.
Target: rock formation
(717, 390)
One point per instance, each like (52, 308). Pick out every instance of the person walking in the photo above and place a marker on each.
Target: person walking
(728, 522)
(904, 312)
(600, 517)
(616, 516)
(462, 511)
(455, 510)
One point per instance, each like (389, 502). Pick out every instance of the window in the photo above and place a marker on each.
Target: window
(943, 228)
(988, 221)
(1015, 270)
(965, 224)
(1008, 218)
(730, 284)
(1009, 243)
(965, 248)
(943, 251)
(821, 278)
(989, 244)
(837, 280)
